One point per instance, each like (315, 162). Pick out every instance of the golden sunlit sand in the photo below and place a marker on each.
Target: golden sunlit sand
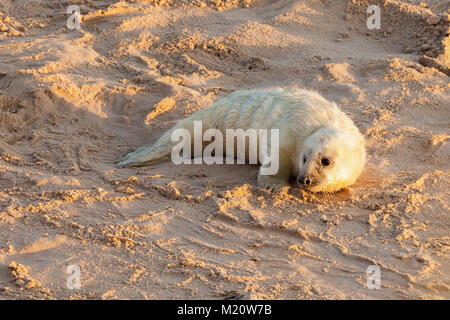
(72, 102)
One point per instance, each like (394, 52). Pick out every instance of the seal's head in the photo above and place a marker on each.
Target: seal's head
(330, 159)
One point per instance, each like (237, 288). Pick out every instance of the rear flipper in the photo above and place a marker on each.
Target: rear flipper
(144, 155)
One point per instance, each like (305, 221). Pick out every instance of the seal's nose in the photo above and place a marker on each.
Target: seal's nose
(304, 181)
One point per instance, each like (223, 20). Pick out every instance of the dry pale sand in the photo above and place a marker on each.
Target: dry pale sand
(72, 102)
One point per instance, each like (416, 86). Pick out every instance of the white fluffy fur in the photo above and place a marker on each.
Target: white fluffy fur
(309, 126)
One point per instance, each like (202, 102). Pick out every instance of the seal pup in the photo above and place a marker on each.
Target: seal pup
(318, 144)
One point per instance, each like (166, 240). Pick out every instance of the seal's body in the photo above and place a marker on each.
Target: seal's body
(318, 143)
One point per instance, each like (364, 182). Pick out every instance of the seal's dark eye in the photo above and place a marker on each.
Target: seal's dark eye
(304, 159)
(325, 162)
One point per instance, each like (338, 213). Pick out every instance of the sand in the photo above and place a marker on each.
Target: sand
(72, 102)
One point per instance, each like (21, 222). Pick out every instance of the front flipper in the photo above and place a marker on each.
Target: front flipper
(272, 183)
(279, 180)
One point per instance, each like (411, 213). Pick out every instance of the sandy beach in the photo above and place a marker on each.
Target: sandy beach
(73, 101)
